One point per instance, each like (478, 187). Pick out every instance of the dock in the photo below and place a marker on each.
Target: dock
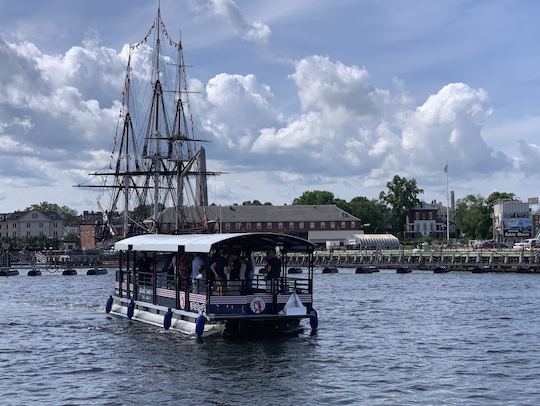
(520, 261)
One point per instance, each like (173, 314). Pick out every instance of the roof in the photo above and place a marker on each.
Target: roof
(204, 243)
(376, 240)
(264, 213)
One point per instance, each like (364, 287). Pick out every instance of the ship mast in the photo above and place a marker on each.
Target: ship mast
(152, 170)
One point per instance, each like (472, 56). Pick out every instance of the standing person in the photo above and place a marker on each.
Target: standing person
(273, 266)
(234, 266)
(197, 262)
(218, 267)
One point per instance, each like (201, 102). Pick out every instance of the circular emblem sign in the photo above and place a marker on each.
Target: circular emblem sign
(257, 305)
(182, 300)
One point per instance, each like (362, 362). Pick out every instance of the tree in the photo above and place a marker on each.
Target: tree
(472, 217)
(401, 197)
(495, 196)
(371, 212)
(315, 197)
(251, 203)
(69, 214)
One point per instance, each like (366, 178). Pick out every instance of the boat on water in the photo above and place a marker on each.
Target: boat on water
(155, 285)
(330, 269)
(294, 270)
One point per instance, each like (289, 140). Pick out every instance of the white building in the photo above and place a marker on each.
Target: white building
(511, 220)
(32, 223)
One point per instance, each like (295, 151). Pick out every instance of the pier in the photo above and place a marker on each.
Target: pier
(522, 261)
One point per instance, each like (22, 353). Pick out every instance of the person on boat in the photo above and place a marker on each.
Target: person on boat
(200, 280)
(218, 267)
(197, 262)
(234, 266)
(273, 266)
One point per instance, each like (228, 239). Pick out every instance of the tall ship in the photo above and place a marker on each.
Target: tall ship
(174, 271)
(157, 165)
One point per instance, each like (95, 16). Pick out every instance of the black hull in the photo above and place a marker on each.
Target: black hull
(235, 329)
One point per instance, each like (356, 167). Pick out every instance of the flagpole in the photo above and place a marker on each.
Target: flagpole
(447, 207)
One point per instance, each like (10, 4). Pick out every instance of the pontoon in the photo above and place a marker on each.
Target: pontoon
(155, 285)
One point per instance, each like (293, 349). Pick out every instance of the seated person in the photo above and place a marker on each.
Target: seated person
(200, 280)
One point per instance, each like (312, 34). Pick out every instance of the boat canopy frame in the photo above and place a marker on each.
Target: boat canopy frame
(205, 243)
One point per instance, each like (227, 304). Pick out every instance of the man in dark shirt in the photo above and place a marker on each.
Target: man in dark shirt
(234, 266)
(273, 267)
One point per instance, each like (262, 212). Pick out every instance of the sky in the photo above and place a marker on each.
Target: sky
(294, 96)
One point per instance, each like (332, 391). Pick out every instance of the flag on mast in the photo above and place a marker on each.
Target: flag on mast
(445, 169)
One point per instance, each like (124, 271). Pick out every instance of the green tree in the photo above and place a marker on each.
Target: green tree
(69, 214)
(402, 196)
(370, 211)
(472, 217)
(495, 196)
(251, 203)
(315, 197)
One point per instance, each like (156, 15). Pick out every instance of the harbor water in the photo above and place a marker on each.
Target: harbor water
(384, 338)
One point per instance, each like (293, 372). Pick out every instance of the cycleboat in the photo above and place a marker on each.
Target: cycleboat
(156, 284)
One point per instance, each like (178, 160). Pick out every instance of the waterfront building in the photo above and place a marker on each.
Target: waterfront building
(512, 221)
(32, 223)
(427, 220)
(316, 223)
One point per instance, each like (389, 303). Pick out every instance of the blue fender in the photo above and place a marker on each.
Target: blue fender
(109, 304)
(167, 319)
(314, 320)
(130, 309)
(199, 327)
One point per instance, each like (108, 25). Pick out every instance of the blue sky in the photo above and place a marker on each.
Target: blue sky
(295, 96)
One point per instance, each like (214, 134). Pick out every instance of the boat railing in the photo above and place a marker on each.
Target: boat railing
(146, 286)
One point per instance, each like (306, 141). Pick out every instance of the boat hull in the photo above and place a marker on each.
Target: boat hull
(215, 325)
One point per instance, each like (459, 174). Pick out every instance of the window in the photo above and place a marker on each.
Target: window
(269, 225)
(291, 224)
(332, 224)
(280, 225)
(55, 225)
(238, 226)
(227, 226)
(312, 224)
(248, 226)
(40, 225)
(14, 225)
(41, 233)
(323, 224)
(14, 234)
(28, 233)
(27, 225)
(343, 224)
(301, 225)
(34, 215)
(259, 226)
(55, 233)
(353, 224)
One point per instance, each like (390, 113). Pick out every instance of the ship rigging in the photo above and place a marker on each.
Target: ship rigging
(156, 162)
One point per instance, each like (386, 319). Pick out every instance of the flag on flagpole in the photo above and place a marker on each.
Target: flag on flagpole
(445, 169)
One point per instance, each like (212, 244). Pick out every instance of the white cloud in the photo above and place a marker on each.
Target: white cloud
(256, 31)
(233, 108)
(448, 127)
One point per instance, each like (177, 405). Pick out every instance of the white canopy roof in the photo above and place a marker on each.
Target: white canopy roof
(203, 243)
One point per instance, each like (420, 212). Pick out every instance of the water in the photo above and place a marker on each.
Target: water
(384, 338)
